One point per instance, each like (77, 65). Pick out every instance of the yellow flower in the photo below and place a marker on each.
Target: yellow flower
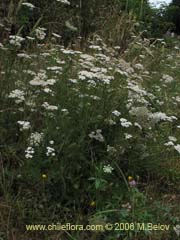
(44, 176)
(130, 178)
(92, 204)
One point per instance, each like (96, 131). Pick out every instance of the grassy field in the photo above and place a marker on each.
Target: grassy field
(89, 136)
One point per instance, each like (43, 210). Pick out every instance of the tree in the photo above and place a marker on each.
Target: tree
(173, 14)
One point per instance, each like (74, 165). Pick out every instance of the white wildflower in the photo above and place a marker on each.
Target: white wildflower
(54, 68)
(29, 5)
(65, 111)
(73, 80)
(139, 66)
(24, 125)
(16, 40)
(95, 47)
(167, 79)
(125, 123)
(177, 147)
(23, 55)
(18, 95)
(170, 143)
(47, 90)
(50, 82)
(64, 1)
(111, 149)
(173, 139)
(29, 152)
(40, 33)
(50, 152)
(35, 138)
(128, 136)
(111, 122)
(159, 116)
(108, 168)
(116, 113)
(49, 107)
(97, 135)
(39, 79)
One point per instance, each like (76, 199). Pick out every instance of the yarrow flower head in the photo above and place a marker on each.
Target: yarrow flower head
(39, 79)
(64, 1)
(159, 116)
(40, 33)
(177, 148)
(35, 138)
(24, 125)
(111, 149)
(128, 136)
(16, 40)
(49, 107)
(50, 152)
(116, 113)
(97, 135)
(18, 95)
(125, 123)
(29, 5)
(139, 66)
(29, 152)
(167, 79)
(108, 168)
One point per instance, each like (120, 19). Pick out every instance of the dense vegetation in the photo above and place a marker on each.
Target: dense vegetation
(89, 118)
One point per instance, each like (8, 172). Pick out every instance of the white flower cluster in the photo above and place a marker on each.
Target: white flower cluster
(95, 47)
(16, 40)
(39, 79)
(35, 138)
(171, 142)
(108, 168)
(64, 1)
(125, 123)
(65, 111)
(23, 55)
(29, 5)
(159, 116)
(172, 138)
(55, 68)
(18, 95)
(49, 107)
(116, 113)
(167, 79)
(137, 94)
(29, 152)
(50, 152)
(24, 125)
(111, 149)
(177, 148)
(40, 33)
(95, 74)
(127, 136)
(97, 135)
(140, 112)
(139, 66)
(111, 122)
